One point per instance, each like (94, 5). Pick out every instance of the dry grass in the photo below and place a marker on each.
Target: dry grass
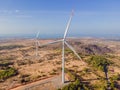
(48, 63)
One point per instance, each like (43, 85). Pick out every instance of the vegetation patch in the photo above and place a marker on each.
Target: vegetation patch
(6, 58)
(9, 47)
(5, 64)
(4, 74)
(77, 85)
(98, 62)
(54, 72)
(25, 78)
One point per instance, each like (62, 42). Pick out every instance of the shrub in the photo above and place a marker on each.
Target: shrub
(113, 81)
(4, 74)
(86, 70)
(24, 78)
(54, 72)
(77, 85)
(98, 62)
(71, 76)
(5, 64)
(115, 77)
(58, 62)
(67, 50)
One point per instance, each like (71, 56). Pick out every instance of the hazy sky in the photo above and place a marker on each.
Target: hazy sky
(51, 16)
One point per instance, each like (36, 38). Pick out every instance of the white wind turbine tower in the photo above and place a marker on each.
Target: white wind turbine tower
(64, 42)
(36, 44)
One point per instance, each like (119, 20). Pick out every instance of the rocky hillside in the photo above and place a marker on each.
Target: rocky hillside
(82, 48)
(92, 49)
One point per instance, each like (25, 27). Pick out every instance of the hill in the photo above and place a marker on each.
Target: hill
(18, 56)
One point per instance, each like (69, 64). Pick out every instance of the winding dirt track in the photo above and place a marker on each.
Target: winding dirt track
(46, 84)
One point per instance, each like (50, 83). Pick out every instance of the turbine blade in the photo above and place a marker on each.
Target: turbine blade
(68, 25)
(69, 46)
(37, 35)
(50, 43)
(36, 40)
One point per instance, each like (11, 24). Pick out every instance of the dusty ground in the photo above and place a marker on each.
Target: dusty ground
(46, 84)
(48, 62)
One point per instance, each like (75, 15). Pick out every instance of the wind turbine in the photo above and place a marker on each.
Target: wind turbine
(37, 44)
(64, 42)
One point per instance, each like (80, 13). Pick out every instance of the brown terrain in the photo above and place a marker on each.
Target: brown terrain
(32, 71)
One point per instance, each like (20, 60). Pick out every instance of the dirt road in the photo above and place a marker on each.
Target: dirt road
(46, 84)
